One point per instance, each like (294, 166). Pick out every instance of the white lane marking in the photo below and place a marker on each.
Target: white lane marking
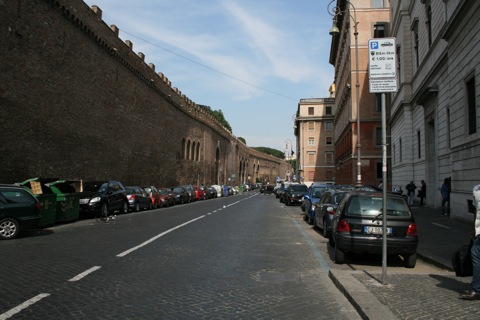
(440, 225)
(84, 273)
(22, 306)
(123, 254)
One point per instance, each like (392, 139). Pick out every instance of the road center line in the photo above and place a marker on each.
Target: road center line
(124, 253)
(84, 273)
(22, 306)
(440, 225)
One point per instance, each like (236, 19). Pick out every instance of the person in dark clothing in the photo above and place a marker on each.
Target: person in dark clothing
(423, 192)
(445, 191)
(411, 187)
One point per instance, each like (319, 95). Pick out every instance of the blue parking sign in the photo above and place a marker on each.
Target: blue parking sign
(373, 45)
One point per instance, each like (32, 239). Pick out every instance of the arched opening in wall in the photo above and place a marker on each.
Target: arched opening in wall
(184, 155)
(192, 151)
(240, 172)
(217, 166)
(188, 150)
(197, 152)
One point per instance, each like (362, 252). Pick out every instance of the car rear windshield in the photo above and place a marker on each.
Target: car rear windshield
(366, 205)
(301, 188)
(95, 187)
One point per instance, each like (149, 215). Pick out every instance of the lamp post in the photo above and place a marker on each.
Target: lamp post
(335, 11)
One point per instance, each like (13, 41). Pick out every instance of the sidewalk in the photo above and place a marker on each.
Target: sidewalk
(416, 295)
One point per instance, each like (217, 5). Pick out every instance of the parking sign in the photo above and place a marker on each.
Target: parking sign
(382, 58)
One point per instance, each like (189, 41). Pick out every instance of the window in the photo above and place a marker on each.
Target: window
(419, 143)
(415, 40)
(311, 125)
(328, 141)
(380, 30)
(429, 25)
(328, 125)
(311, 175)
(328, 110)
(378, 3)
(378, 136)
(311, 111)
(400, 149)
(311, 156)
(472, 108)
(399, 63)
(311, 141)
(379, 170)
(394, 153)
(329, 157)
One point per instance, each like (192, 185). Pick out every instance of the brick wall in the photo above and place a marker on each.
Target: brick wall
(78, 102)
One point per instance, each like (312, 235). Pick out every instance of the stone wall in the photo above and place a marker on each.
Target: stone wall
(77, 102)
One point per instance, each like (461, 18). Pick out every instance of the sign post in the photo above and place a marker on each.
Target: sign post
(382, 79)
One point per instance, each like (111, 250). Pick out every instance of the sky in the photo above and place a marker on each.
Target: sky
(253, 60)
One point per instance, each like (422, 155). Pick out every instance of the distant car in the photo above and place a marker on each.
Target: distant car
(218, 190)
(325, 209)
(154, 196)
(315, 192)
(103, 197)
(357, 226)
(191, 192)
(19, 210)
(199, 193)
(167, 197)
(181, 195)
(294, 194)
(138, 199)
(283, 188)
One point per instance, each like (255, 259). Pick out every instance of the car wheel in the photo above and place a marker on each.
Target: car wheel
(331, 242)
(287, 202)
(339, 255)
(315, 227)
(155, 206)
(104, 212)
(325, 229)
(150, 205)
(305, 218)
(137, 207)
(9, 228)
(410, 260)
(124, 209)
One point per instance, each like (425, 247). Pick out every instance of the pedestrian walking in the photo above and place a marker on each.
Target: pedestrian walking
(411, 187)
(423, 192)
(445, 191)
(474, 293)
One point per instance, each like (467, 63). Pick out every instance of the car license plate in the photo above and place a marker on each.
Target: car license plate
(83, 201)
(376, 230)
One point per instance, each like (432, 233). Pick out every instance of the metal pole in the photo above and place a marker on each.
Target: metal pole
(384, 184)
(357, 88)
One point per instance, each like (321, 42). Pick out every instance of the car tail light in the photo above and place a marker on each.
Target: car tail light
(38, 206)
(131, 197)
(332, 212)
(412, 230)
(343, 226)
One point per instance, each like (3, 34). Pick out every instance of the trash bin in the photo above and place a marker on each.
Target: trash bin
(46, 199)
(67, 199)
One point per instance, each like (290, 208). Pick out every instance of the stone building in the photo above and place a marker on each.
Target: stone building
(434, 115)
(357, 22)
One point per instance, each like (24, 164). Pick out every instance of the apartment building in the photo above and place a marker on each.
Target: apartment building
(314, 134)
(358, 122)
(434, 119)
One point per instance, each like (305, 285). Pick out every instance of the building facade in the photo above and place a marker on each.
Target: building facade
(435, 115)
(315, 139)
(357, 22)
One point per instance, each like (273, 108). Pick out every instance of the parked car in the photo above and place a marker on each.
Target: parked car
(283, 188)
(154, 195)
(294, 194)
(218, 190)
(181, 195)
(103, 198)
(325, 209)
(315, 191)
(167, 197)
(191, 192)
(209, 192)
(138, 199)
(357, 227)
(199, 193)
(19, 210)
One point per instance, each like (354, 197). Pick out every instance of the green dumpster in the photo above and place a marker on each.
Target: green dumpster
(45, 197)
(67, 199)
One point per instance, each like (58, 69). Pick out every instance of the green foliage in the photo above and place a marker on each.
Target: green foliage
(218, 114)
(270, 151)
(242, 139)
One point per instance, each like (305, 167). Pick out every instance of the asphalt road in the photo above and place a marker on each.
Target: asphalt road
(241, 257)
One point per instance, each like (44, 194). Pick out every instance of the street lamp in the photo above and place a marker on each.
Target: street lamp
(336, 11)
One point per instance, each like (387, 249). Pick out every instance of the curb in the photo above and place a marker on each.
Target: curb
(366, 304)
